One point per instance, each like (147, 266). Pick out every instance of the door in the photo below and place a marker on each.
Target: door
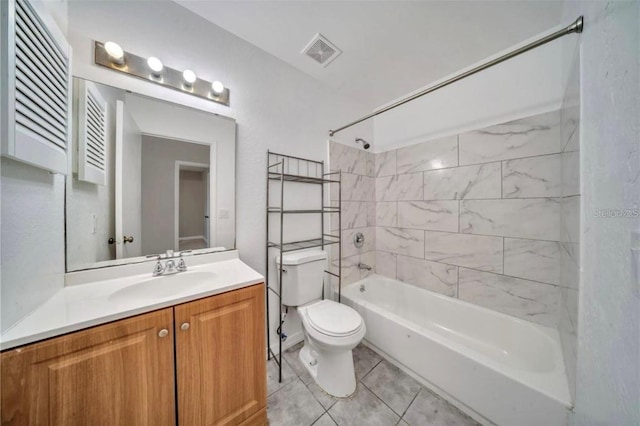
(221, 359)
(128, 185)
(119, 374)
(191, 203)
(207, 222)
(118, 178)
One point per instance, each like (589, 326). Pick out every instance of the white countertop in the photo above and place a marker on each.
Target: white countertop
(83, 305)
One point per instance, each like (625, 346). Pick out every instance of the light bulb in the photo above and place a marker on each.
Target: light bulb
(217, 87)
(189, 77)
(155, 65)
(115, 52)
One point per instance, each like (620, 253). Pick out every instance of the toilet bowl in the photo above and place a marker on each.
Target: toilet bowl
(331, 330)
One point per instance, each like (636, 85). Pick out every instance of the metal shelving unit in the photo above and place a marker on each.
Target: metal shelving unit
(283, 168)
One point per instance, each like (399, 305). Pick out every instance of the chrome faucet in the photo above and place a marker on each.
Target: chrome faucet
(170, 267)
(364, 266)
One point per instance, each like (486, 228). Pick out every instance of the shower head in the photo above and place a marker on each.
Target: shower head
(365, 144)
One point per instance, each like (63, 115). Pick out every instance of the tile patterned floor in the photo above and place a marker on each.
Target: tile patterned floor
(385, 396)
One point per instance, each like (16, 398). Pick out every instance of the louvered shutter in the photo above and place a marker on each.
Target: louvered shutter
(92, 134)
(36, 86)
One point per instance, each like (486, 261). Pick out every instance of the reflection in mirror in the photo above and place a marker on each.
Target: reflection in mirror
(149, 176)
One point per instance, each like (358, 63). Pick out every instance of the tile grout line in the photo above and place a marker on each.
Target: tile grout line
(495, 160)
(331, 417)
(472, 234)
(369, 372)
(319, 417)
(381, 400)
(503, 255)
(474, 269)
(542, 197)
(411, 403)
(502, 179)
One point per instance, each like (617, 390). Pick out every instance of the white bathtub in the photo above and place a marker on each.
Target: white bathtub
(498, 368)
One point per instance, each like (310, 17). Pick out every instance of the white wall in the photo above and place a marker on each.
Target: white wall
(159, 158)
(608, 357)
(275, 106)
(32, 226)
(523, 86)
(32, 235)
(570, 222)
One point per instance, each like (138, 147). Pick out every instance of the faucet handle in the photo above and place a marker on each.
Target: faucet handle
(181, 265)
(158, 269)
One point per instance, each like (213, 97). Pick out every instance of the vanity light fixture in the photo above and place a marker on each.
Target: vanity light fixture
(189, 78)
(111, 55)
(155, 65)
(217, 87)
(115, 52)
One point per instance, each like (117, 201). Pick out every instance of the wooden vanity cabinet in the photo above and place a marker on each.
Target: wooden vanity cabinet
(120, 373)
(123, 373)
(221, 359)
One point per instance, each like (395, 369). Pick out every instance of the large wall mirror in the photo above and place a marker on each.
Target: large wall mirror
(148, 176)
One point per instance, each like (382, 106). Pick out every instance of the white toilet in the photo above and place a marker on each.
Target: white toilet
(331, 330)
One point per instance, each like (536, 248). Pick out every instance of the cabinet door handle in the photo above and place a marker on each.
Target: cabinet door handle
(184, 326)
(163, 333)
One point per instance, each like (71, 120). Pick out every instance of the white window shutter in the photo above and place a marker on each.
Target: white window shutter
(92, 134)
(36, 88)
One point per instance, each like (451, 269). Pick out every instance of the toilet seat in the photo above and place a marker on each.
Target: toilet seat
(333, 319)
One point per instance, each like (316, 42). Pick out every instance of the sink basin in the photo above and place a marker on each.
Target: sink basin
(163, 286)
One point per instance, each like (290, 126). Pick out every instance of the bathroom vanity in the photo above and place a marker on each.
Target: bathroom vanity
(191, 356)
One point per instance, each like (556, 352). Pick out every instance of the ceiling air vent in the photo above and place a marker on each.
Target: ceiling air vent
(321, 50)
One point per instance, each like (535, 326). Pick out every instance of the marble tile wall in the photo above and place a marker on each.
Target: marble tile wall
(570, 222)
(358, 210)
(482, 216)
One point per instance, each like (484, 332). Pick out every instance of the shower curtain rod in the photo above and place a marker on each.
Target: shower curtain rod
(575, 27)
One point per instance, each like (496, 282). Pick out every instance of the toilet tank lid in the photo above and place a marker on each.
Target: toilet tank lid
(300, 257)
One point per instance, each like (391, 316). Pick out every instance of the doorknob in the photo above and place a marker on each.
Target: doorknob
(128, 239)
(184, 326)
(163, 333)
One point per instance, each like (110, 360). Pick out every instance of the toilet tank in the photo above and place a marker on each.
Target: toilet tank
(302, 278)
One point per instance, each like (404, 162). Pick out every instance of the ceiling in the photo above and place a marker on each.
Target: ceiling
(390, 48)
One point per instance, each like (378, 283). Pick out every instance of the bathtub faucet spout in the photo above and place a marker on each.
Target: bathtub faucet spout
(364, 266)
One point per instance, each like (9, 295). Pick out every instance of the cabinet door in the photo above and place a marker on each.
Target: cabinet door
(116, 374)
(35, 80)
(221, 358)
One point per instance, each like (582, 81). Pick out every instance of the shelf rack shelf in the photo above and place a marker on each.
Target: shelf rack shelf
(304, 244)
(283, 168)
(325, 210)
